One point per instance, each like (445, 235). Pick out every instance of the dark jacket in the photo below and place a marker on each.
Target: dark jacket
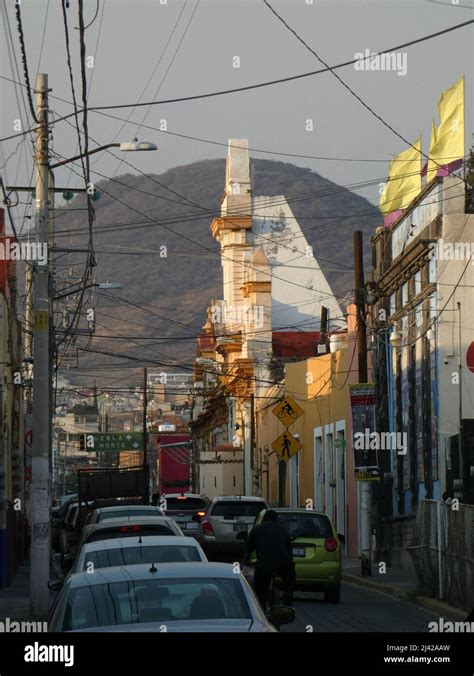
(272, 545)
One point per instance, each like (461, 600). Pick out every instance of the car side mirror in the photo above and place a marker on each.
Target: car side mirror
(55, 585)
(341, 538)
(281, 615)
(242, 535)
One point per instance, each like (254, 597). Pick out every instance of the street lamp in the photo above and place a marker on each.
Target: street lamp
(126, 146)
(101, 285)
(42, 390)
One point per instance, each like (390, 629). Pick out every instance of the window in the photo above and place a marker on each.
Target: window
(393, 303)
(404, 293)
(296, 523)
(432, 270)
(128, 531)
(185, 504)
(153, 600)
(417, 282)
(124, 513)
(233, 509)
(125, 556)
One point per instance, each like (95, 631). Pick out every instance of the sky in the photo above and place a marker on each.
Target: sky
(161, 49)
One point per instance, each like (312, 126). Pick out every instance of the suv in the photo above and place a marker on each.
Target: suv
(182, 507)
(227, 516)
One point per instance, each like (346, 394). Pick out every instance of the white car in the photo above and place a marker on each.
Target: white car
(175, 597)
(132, 550)
(227, 516)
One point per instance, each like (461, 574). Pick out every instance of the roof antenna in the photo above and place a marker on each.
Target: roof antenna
(140, 540)
(153, 569)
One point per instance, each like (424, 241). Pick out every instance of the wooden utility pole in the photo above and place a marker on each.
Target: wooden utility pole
(360, 302)
(145, 434)
(365, 493)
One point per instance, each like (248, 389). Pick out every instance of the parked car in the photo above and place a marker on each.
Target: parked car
(225, 518)
(118, 511)
(70, 531)
(182, 507)
(182, 597)
(316, 550)
(134, 550)
(126, 527)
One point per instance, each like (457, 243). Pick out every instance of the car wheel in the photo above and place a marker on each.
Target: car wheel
(333, 595)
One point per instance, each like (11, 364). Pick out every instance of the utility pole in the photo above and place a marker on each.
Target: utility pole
(145, 434)
(252, 442)
(365, 493)
(460, 434)
(40, 491)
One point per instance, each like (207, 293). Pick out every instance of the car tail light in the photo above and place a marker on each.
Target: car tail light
(330, 544)
(207, 528)
(201, 514)
(128, 529)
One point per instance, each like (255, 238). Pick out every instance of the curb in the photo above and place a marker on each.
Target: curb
(393, 590)
(398, 592)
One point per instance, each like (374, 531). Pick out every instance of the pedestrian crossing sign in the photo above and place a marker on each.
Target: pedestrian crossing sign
(286, 446)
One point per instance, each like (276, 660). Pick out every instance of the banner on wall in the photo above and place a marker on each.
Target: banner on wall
(363, 425)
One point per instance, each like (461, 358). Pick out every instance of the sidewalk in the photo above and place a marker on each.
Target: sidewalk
(399, 584)
(15, 599)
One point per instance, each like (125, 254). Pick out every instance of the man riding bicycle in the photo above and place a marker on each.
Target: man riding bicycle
(272, 545)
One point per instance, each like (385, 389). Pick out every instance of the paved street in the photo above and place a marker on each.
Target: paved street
(360, 610)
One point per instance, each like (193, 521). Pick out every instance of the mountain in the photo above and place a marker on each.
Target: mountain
(170, 269)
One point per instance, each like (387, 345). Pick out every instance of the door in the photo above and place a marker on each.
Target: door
(294, 481)
(318, 473)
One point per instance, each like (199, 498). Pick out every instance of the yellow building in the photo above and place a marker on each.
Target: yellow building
(321, 474)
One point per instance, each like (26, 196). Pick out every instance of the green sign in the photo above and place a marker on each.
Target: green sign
(112, 441)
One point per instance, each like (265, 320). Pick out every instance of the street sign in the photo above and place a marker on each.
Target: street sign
(286, 446)
(113, 441)
(287, 411)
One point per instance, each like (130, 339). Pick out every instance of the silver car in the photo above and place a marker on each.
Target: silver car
(132, 550)
(118, 511)
(125, 527)
(172, 597)
(227, 516)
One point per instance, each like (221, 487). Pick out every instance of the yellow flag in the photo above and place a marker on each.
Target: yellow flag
(404, 180)
(447, 142)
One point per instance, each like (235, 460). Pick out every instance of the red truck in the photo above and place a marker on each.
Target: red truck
(174, 467)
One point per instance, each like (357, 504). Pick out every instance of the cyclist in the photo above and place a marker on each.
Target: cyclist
(273, 548)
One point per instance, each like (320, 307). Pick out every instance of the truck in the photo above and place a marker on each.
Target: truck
(174, 458)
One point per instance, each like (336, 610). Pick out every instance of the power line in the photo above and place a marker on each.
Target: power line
(24, 61)
(263, 84)
(344, 84)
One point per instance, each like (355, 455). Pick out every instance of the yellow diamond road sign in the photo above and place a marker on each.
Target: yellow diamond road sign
(287, 411)
(286, 445)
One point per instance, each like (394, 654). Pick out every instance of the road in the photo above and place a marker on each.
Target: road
(361, 609)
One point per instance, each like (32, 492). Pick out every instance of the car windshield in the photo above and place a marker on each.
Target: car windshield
(141, 553)
(312, 525)
(234, 509)
(185, 504)
(129, 531)
(123, 513)
(137, 601)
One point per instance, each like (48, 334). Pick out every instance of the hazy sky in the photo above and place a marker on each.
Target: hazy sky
(129, 38)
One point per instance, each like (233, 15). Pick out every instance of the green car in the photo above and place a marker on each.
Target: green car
(316, 550)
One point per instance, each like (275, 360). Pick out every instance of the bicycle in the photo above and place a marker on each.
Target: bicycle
(284, 412)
